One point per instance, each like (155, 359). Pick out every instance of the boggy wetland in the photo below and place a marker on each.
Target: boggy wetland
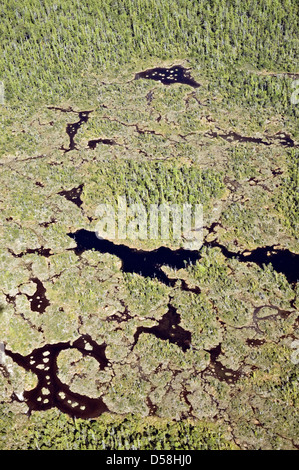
(149, 343)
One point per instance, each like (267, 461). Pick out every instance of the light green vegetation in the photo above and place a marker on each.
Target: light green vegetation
(230, 145)
(111, 433)
(287, 201)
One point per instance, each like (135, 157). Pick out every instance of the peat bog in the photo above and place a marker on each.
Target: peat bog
(206, 344)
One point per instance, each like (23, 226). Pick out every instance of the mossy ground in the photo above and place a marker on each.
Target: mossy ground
(231, 145)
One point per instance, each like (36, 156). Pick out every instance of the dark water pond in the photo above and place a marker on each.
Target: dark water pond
(94, 142)
(38, 301)
(149, 263)
(282, 138)
(217, 369)
(168, 328)
(145, 263)
(50, 391)
(169, 75)
(73, 195)
(282, 260)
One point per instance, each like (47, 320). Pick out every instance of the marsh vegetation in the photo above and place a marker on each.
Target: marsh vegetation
(204, 338)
